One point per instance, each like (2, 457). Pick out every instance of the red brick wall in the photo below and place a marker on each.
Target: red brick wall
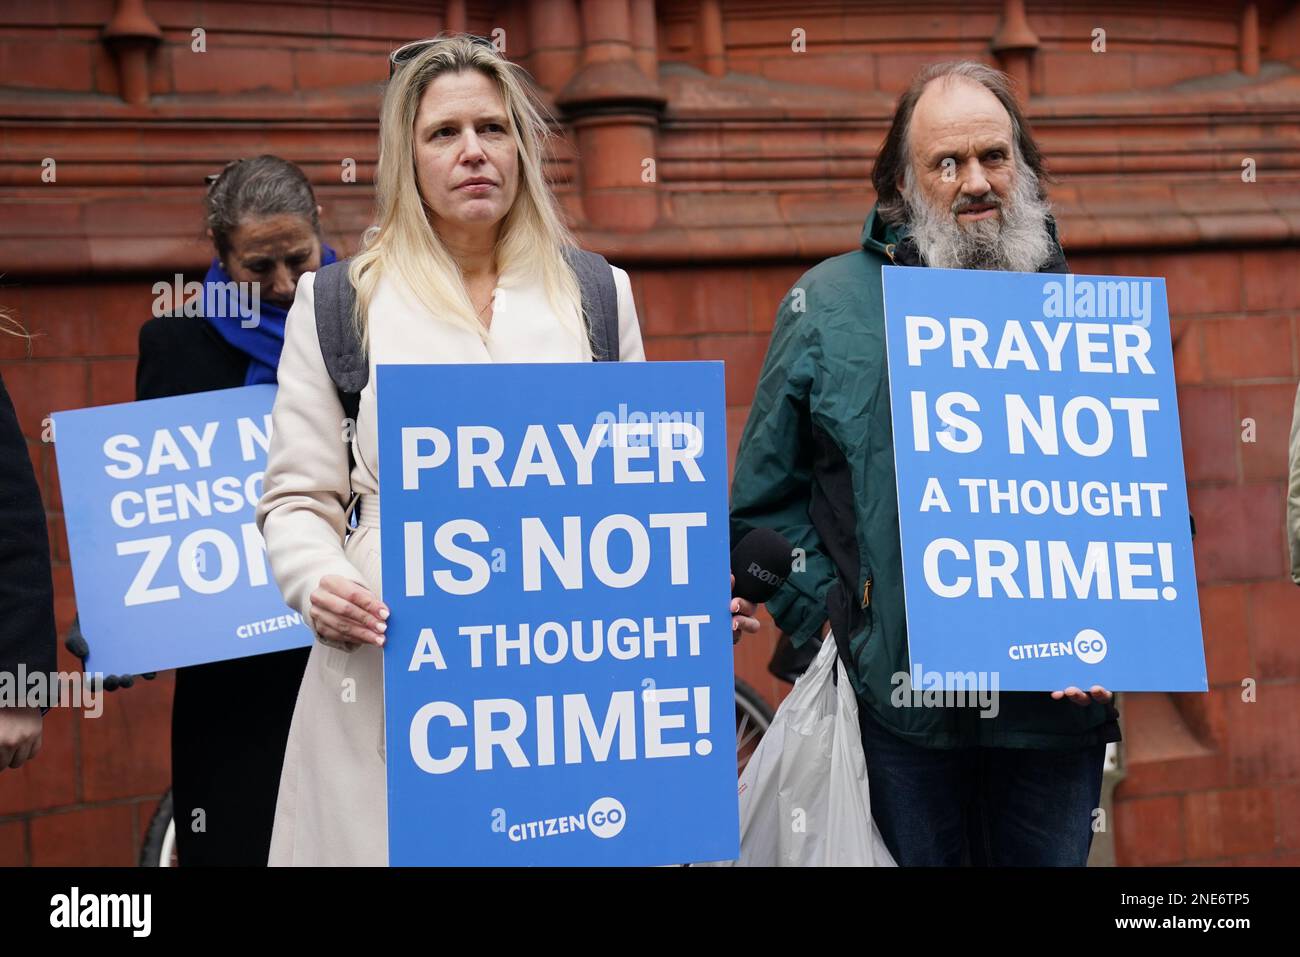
(762, 159)
(1215, 778)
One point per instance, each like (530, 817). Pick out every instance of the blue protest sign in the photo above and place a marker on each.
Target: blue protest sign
(1041, 494)
(558, 665)
(167, 562)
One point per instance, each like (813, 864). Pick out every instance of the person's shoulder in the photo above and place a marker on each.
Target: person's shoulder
(184, 339)
(304, 294)
(841, 282)
(306, 287)
(183, 354)
(853, 269)
(622, 281)
(169, 331)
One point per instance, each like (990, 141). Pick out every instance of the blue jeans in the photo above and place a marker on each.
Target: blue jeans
(984, 806)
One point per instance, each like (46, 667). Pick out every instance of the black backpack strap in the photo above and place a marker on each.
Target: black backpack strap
(599, 301)
(340, 346)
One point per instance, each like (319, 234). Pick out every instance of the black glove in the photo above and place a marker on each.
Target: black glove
(76, 643)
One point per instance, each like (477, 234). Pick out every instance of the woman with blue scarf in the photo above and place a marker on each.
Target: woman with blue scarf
(230, 719)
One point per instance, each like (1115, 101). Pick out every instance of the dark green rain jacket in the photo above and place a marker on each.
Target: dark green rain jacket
(816, 463)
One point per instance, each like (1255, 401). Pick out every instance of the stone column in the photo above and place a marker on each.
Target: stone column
(614, 109)
(555, 43)
(711, 44)
(1015, 44)
(456, 19)
(1250, 39)
(645, 41)
(131, 36)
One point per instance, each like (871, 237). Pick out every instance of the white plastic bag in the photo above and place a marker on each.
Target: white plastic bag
(804, 799)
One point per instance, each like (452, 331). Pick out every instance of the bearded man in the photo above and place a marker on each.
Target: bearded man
(960, 185)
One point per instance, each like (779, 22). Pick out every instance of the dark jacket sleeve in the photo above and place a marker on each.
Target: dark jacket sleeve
(27, 634)
(772, 485)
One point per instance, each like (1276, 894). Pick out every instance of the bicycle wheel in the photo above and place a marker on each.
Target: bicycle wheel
(159, 848)
(753, 718)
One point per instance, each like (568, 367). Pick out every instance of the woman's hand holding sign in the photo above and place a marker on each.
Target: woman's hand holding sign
(343, 611)
(347, 613)
(1084, 698)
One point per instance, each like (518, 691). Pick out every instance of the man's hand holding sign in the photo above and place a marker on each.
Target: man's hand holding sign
(1040, 482)
(557, 678)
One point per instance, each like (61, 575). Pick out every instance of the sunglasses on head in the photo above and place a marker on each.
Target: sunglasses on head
(410, 51)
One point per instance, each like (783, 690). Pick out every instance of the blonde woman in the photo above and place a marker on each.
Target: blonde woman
(467, 264)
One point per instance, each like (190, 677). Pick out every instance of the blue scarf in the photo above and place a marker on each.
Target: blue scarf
(260, 335)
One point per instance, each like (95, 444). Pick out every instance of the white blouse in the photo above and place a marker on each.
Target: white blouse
(305, 487)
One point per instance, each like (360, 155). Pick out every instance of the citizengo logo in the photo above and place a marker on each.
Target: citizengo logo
(1089, 646)
(604, 819)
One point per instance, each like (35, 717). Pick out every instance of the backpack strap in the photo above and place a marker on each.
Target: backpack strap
(599, 301)
(340, 346)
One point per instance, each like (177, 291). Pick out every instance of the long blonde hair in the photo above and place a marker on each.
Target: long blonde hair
(533, 236)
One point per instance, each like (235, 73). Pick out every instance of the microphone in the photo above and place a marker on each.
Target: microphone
(761, 562)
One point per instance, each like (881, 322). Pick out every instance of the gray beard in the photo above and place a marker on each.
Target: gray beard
(1015, 241)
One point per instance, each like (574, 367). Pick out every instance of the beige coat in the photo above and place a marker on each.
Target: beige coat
(332, 807)
(1293, 493)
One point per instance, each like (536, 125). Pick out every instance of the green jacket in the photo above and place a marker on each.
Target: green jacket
(816, 463)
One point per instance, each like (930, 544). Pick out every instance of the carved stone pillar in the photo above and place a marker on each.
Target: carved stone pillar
(614, 108)
(1015, 44)
(711, 41)
(644, 37)
(1250, 39)
(456, 19)
(556, 48)
(131, 36)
